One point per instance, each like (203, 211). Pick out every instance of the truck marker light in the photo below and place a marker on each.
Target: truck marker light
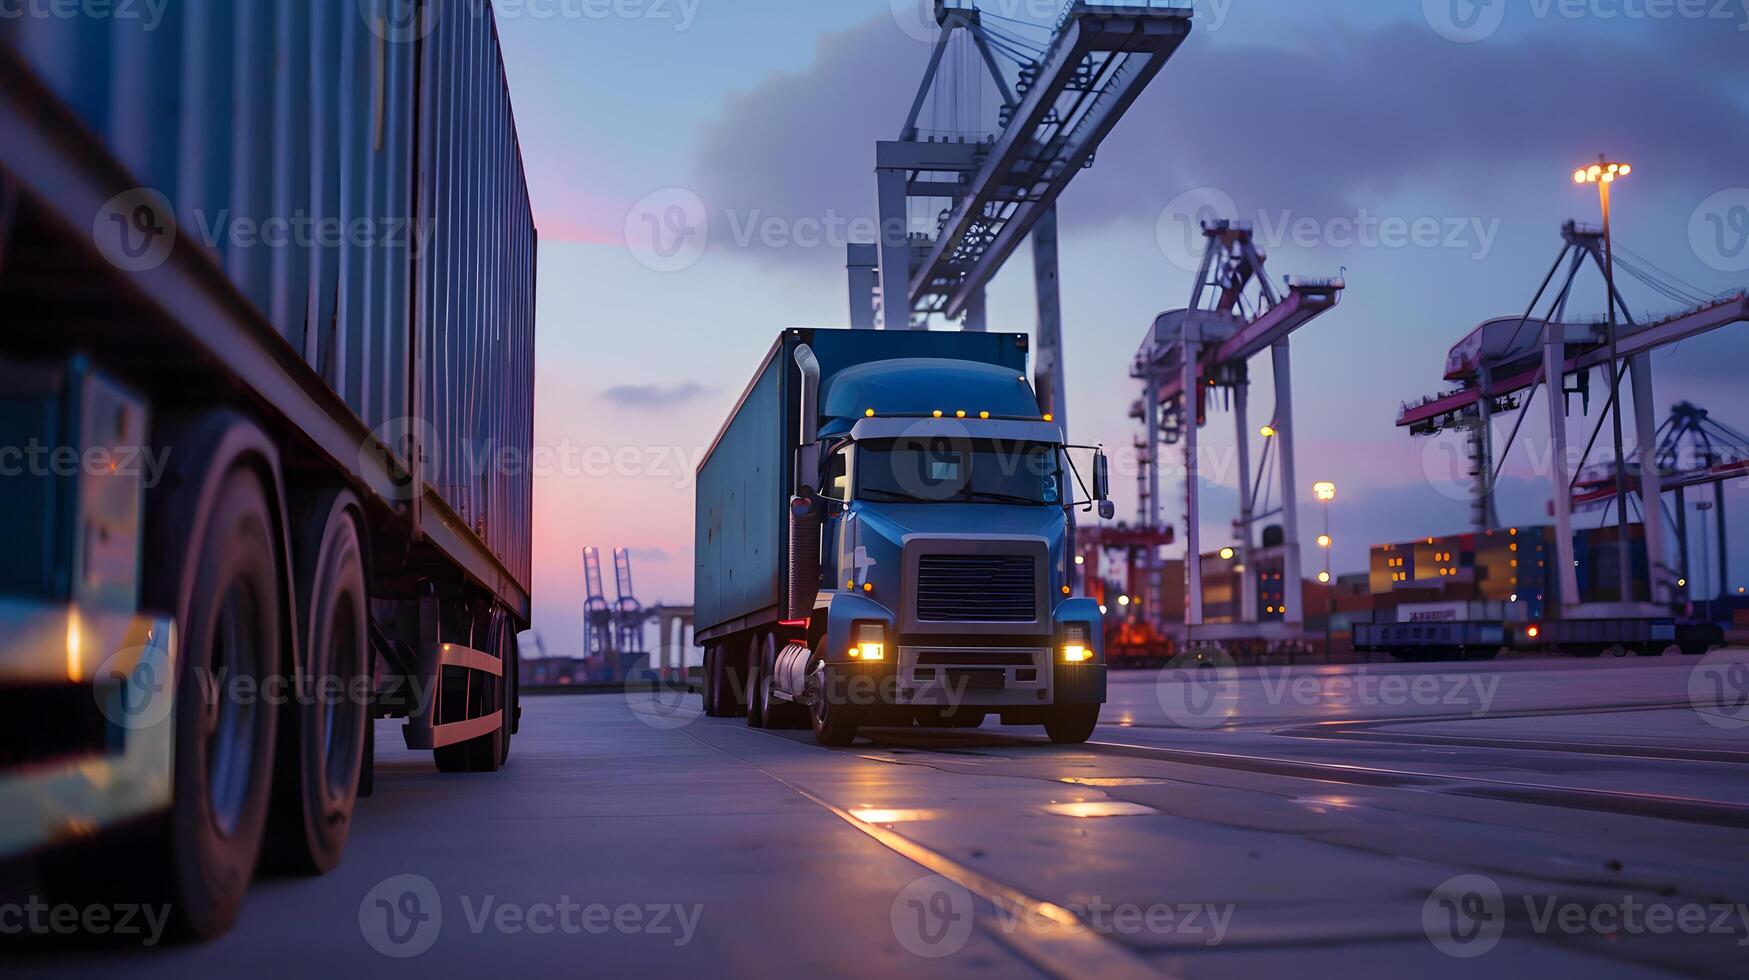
(1065, 590)
(1049, 417)
(983, 415)
(75, 663)
(869, 413)
(937, 413)
(868, 586)
(960, 414)
(850, 585)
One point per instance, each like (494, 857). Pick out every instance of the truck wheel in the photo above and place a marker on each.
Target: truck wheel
(1071, 723)
(772, 712)
(722, 678)
(758, 682)
(322, 748)
(834, 725)
(232, 629)
(486, 752)
(711, 681)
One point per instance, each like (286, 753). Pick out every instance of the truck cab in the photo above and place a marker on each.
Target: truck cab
(930, 557)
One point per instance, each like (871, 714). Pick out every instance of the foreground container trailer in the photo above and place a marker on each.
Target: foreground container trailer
(266, 381)
(884, 537)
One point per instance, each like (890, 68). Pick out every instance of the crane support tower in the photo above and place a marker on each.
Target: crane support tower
(1193, 354)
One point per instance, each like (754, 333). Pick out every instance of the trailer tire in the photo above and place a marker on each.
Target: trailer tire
(758, 682)
(720, 678)
(1071, 724)
(486, 753)
(323, 737)
(232, 601)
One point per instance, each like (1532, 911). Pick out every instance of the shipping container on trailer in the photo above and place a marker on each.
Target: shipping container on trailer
(273, 261)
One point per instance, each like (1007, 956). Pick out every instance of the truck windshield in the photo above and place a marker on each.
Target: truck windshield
(938, 469)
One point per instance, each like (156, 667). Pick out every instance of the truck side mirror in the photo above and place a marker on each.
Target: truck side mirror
(1101, 479)
(1107, 510)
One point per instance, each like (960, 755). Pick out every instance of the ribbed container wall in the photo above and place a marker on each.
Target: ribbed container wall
(476, 286)
(352, 166)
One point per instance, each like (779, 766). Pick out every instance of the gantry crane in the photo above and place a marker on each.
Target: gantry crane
(1500, 365)
(1068, 92)
(1235, 313)
(1692, 450)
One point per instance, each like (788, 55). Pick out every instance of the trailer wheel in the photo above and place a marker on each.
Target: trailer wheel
(720, 677)
(758, 682)
(487, 752)
(231, 629)
(1071, 723)
(322, 754)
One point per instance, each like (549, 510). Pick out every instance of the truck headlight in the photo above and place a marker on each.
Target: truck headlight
(868, 641)
(1077, 643)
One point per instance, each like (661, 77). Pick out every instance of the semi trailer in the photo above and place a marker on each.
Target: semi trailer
(885, 533)
(267, 276)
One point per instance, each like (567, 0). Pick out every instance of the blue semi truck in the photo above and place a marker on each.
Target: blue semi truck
(884, 537)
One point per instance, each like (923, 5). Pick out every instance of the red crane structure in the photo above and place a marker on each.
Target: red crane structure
(1189, 355)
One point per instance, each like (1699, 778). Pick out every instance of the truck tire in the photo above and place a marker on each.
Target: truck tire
(323, 734)
(1071, 723)
(758, 682)
(774, 713)
(720, 698)
(487, 752)
(834, 725)
(231, 622)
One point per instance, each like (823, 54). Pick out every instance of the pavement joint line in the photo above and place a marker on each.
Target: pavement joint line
(1680, 808)
(1509, 713)
(1052, 938)
(1600, 750)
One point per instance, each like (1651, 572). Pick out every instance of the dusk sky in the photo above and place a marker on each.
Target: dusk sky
(1325, 124)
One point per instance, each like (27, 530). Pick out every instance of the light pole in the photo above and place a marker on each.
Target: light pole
(1604, 174)
(1325, 491)
(1705, 559)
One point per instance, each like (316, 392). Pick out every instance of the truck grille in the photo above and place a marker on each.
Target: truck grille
(977, 588)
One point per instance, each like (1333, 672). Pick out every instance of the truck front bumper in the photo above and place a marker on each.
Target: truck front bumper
(983, 677)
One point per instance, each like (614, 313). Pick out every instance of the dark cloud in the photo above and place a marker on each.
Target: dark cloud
(1322, 124)
(653, 398)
